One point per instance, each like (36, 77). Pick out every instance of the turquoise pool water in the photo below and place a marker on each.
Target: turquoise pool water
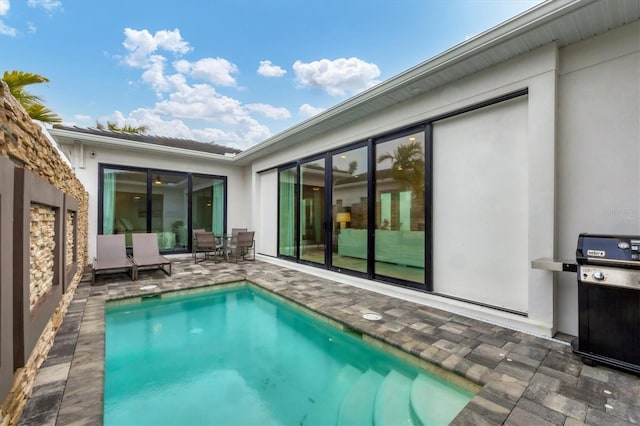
(239, 357)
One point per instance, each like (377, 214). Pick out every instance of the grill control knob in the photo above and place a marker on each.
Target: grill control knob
(598, 276)
(623, 245)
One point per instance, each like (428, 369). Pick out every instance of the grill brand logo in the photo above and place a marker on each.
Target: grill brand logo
(596, 253)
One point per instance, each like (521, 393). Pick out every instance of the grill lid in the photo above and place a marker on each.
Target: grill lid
(621, 250)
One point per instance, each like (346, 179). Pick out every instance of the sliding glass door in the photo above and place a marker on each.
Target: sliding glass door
(350, 189)
(207, 210)
(287, 208)
(359, 210)
(312, 211)
(399, 208)
(124, 202)
(167, 203)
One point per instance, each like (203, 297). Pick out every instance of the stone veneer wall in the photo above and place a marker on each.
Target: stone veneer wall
(23, 142)
(42, 244)
(70, 239)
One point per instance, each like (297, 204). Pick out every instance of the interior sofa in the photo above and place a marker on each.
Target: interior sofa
(398, 247)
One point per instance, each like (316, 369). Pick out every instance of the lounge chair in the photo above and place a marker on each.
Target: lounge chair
(242, 245)
(204, 242)
(111, 256)
(146, 253)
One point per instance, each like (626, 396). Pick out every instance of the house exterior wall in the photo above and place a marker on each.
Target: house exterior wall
(537, 72)
(598, 156)
(86, 160)
(266, 203)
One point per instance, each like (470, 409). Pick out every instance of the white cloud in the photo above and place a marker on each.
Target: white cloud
(200, 102)
(7, 30)
(246, 133)
(141, 45)
(269, 111)
(82, 118)
(181, 103)
(48, 5)
(338, 77)
(4, 7)
(31, 27)
(215, 70)
(307, 110)
(267, 69)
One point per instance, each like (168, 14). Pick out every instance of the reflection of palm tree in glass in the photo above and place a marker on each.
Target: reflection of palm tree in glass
(407, 165)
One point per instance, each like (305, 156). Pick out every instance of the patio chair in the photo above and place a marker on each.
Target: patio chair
(111, 256)
(204, 242)
(193, 242)
(242, 245)
(146, 253)
(232, 241)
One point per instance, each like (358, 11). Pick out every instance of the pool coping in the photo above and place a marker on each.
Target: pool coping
(524, 379)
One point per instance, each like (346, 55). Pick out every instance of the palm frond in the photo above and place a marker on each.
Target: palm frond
(42, 113)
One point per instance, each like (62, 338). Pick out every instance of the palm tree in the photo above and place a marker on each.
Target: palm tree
(407, 165)
(17, 80)
(124, 129)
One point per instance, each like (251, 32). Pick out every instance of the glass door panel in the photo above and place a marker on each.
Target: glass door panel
(312, 202)
(169, 201)
(124, 202)
(400, 218)
(288, 203)
(349, 210)
(207, 208)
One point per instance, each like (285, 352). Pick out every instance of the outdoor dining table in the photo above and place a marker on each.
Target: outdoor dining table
(224, 240)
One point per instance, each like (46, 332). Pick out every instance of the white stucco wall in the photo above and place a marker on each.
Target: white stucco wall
(85, 160)
(598, 157)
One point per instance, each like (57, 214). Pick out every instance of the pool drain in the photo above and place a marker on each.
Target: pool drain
(372, 316)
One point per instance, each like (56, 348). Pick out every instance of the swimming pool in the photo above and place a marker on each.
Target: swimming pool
(238, 356)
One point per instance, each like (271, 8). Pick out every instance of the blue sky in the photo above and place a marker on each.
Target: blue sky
(230, 71)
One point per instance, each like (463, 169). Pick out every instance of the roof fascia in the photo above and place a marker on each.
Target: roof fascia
(102, 141)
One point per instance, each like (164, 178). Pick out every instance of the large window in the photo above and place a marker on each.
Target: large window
(144, 200)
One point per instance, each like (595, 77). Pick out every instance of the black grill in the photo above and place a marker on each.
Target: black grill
(609, 300)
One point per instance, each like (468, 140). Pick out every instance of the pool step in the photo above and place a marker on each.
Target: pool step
(325, 410)
(433, 401)
(392, 406)
(357, 405)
